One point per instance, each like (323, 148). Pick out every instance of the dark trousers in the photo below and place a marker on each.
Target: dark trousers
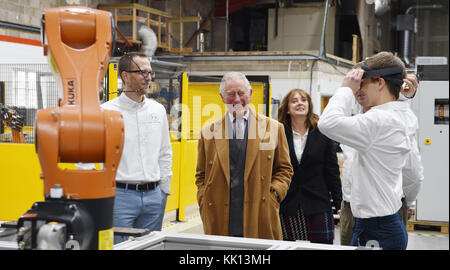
(347, 221)
(388, 232)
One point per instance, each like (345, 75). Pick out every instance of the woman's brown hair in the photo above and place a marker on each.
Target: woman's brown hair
(285, 118)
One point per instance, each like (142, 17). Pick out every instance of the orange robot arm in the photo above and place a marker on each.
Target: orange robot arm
(78, 42)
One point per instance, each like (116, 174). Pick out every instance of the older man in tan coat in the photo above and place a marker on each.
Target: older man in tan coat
(243, 168)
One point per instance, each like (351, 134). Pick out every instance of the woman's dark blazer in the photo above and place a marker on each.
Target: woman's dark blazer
(315, 178)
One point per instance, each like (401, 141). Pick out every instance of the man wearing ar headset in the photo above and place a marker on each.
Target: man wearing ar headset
(382, 148)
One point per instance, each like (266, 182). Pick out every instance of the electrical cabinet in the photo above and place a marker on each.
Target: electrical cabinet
(431, 105)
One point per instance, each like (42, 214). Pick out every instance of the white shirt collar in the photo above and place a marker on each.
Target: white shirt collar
(391, 105)
(244, 117)
(129, 102)
(298, 134)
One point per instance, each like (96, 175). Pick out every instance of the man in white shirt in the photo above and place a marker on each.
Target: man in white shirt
(412, 179)
(144, 172)
(382, 147)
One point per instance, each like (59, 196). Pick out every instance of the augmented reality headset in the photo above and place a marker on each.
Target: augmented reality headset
(384, 73)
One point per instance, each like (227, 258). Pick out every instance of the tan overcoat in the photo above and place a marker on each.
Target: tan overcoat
(267, 169)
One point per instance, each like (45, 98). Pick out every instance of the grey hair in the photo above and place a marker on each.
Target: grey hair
(233, 75)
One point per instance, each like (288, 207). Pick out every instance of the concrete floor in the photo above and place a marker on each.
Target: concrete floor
(416, 240)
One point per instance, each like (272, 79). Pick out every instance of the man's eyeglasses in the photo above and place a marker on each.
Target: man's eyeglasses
(144, 73)
(233, 94)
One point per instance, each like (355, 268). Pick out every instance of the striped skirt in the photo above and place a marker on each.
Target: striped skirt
(318, 228)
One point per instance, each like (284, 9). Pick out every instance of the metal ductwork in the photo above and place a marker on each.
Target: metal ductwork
(149, 46)
(144, 33)
(149, 40)
(381, 7)
(407, 32)
(323, 47)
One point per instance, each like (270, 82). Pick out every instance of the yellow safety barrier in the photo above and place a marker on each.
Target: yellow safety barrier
(21, 186)
(112, 79)
(188, 190)
(173, 199)
(20, 183)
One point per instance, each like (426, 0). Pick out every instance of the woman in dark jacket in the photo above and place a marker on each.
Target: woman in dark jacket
(306, 212)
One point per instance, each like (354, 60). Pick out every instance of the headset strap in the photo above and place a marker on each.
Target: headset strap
(384, 73)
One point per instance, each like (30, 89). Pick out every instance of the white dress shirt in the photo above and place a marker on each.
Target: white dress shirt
(412, 171)
(382, 147)
(147, 152)
(299, 143)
